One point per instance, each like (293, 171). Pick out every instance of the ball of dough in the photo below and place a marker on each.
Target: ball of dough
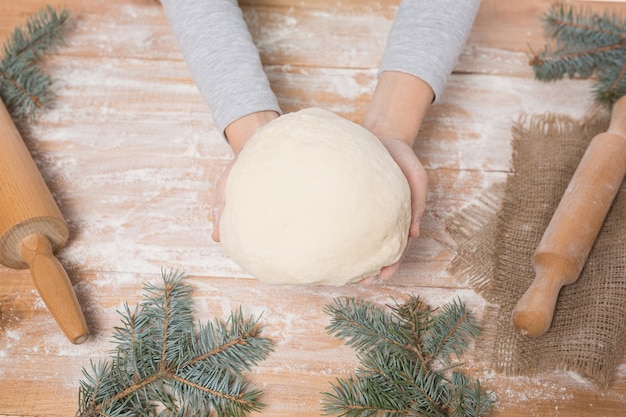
(315, 199)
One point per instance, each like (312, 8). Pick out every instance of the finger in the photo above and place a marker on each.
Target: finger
(417, 178)
(418, 183)
(389, 271)
(220, 201)
(215, 234)
(367, 280)
(217, 213)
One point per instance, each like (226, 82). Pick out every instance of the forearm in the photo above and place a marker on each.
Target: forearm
(398, 106)
(221, 57)
(427, 37)
(424, 43)
(239, 131)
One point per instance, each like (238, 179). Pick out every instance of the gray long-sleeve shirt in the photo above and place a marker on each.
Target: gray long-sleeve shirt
(425, 40)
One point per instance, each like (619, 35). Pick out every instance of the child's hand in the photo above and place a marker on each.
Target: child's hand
(417, 178)
(238, 133)
(394, 116)
(220, 199)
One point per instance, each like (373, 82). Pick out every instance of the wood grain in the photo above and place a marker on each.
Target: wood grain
(131, 156)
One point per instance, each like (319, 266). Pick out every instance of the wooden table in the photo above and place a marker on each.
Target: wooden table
(131, 155)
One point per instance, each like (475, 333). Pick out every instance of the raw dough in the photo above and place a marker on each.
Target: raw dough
(315, 199)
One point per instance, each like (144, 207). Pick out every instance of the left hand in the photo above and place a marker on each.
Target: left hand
(417, 178)
(394, 116)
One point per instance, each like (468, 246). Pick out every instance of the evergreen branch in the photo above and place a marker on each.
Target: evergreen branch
(417, 317)
(551, 66)
(169, 311)
(24, 88)
(42, 36)
(139, 385)
(219, 350)
(229, 394)
(567, 24)
(420, 388)
(619, 79)
(393, 381)
(207, 390)
(93, 383)
(365, 326)
(162, 361)
(128, 341)
(587, 44)
(609, 87)
(166, 320)
(467, 400)
(450, 331)
(351, 398)
(237, 339)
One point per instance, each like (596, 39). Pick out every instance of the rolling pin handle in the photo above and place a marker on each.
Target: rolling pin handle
(532, 316)
(54, 286)
(533, 313)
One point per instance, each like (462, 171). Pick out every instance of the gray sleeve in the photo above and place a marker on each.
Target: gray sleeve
(427, 37)
(223, 60)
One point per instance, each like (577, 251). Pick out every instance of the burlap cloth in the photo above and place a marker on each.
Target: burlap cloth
(498, 235)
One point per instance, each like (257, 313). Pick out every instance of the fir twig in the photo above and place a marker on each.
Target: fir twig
(404, 360)
(450, 332)
(163, 361)
(24, 87)
(586, 44)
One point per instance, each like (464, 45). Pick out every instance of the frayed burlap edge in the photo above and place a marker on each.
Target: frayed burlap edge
(494, 251)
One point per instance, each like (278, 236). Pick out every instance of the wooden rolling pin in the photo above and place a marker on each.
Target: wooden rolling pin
(32, 227)
(574, 227)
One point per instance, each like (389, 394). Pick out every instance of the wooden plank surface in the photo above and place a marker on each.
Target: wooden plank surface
(132, 156)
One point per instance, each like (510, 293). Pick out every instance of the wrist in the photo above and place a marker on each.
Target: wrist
(398, 106)
(238, 132)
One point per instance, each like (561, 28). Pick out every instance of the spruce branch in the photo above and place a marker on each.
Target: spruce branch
(164, 365)
(404, 355)
(586, 44)
(24, 87)
(450, 332)
(467, 399)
